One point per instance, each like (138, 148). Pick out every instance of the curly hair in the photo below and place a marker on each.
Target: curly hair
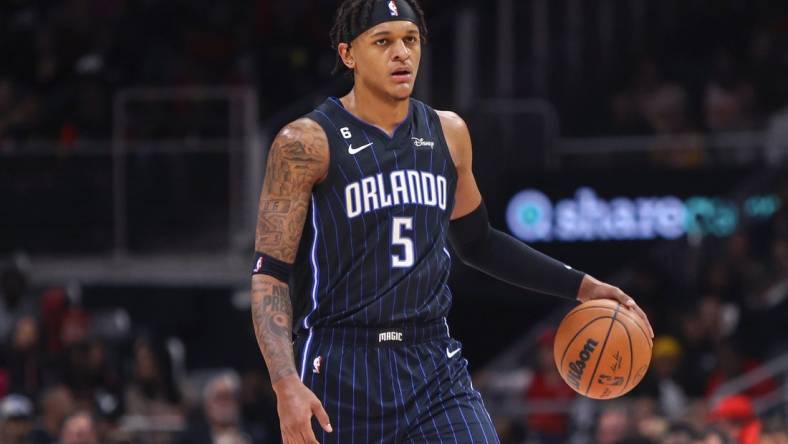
(350, 20)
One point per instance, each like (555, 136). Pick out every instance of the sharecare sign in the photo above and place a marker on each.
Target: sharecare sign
(533, 217)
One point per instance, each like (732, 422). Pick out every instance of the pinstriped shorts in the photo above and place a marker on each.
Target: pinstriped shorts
(407, 384)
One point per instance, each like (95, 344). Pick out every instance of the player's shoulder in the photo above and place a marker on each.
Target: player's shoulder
(452, 123)
(302, 140)
(448, 115)
(304, 130)
(457, 136)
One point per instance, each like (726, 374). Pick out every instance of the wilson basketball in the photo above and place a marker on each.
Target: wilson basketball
(602, 349)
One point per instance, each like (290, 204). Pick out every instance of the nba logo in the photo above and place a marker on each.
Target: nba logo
(393, 8)
(316, 364)
(259, 265)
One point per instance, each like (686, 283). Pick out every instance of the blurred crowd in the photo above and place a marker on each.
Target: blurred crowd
(715, 66)
(697, 66)
(739, 89)
(64, 60)
(66, 378)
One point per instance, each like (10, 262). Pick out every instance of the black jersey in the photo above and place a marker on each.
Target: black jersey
(373, 251)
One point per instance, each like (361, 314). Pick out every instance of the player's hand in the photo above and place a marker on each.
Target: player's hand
(592, 288)
(296, 405)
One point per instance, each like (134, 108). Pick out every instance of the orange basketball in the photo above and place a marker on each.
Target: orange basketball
(602, 349)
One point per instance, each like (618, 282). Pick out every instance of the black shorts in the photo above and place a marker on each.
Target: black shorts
(393, 385)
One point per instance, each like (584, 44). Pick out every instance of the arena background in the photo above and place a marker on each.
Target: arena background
(133, 134)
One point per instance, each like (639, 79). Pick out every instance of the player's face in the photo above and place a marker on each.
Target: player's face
(387, 58)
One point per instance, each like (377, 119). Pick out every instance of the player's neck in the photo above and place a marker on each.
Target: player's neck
(385, 114)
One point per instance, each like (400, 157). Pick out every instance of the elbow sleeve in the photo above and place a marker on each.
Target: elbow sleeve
(468, 233)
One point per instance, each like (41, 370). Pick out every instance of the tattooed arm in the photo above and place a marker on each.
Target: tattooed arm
(298, 159)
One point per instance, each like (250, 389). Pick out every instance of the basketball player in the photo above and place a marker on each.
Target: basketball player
(360, 199)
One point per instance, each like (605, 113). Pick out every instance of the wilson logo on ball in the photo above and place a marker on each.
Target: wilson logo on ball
(576, 368)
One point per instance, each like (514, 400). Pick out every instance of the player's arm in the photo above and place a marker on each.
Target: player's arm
(297, 160)
(500, 255)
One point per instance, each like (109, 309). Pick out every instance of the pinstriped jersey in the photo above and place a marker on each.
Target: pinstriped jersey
(373, 250)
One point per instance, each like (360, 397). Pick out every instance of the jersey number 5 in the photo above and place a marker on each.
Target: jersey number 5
(397, 239)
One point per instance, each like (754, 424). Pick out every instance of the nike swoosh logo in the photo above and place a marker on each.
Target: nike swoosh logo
(352, 150)
(451, 354)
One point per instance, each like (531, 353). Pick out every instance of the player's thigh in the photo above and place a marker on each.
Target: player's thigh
(450, 409)
(462, 419)
(354, 387)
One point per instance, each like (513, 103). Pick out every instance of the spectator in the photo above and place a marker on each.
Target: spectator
(736, 417)
(614, 424)
(552, 425)
(698, 357)
(16, 419)
(729, 99)
(108, 416)
(647, 421)
(732, 363)
(25, 363)
(651, 102)
(56, 404)
(79, 428)
(87, 369)
(18, 110)
(54, 306)
(73, 366)
(662, 382)
(152, 390)
(14, 300)
(221, 413)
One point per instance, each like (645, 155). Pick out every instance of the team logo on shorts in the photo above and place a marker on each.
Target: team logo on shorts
(388, 336)
(393, 8)
(316, 363)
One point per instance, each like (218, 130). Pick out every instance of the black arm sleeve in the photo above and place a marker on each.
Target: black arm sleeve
(506, 258)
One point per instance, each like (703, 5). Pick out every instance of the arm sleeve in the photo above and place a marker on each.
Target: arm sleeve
(506, 258)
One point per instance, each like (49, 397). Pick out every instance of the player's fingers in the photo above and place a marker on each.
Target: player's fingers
(625, 299)
(322, 416)
(632, 305)
(643, 315)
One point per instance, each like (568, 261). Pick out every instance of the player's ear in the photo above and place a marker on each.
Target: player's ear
(346, 55)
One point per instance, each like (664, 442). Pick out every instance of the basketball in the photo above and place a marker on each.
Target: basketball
(602, 349)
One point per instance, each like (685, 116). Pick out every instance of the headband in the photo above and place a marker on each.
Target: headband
(388, 11)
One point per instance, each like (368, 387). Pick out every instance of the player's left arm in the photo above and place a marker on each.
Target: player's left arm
(502, 256)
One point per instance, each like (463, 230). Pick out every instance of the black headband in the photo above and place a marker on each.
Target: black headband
(388, 11)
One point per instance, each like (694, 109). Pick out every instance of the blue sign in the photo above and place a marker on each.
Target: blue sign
(533, 217)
